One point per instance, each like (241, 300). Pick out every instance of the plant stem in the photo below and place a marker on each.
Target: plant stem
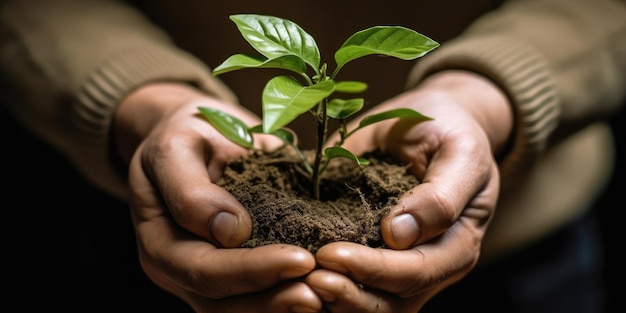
(322, 124)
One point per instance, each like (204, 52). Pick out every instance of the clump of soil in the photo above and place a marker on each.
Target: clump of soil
(275, 190)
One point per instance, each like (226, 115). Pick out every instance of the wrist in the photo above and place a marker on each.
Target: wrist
(142, 109)
(482, 98)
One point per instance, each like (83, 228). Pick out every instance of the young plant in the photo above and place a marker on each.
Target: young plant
(284, 45)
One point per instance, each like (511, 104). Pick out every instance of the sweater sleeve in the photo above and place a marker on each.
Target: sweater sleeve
(562, 63)
(67, 64)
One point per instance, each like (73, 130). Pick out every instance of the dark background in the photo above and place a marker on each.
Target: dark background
(612, 225)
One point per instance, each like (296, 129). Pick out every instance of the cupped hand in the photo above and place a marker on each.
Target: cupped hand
(436, 229)
(212, 279)
(182, 156)
(183, 220)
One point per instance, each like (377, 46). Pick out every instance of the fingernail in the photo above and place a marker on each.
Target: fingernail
(325, 295)
(223, 228)
(405, 230)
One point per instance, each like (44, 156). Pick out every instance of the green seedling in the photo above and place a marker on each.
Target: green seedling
(284, 45)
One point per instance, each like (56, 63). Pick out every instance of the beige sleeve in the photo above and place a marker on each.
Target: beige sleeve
(66, 64)
(562, 64)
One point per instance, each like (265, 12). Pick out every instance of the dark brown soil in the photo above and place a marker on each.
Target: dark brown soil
(278, 195)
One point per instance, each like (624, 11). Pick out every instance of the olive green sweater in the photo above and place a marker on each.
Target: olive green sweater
(67, 64)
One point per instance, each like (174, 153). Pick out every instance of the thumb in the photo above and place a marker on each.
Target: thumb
(213, 213)
(195, 203)
(229, 224)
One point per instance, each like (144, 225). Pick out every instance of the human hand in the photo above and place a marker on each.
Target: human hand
(182, 219)
(436, 228)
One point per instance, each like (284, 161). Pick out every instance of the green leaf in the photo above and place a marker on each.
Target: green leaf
(339, 152)
(231, 127)
(341, 109)
(395, 41)
(400, 113)
(276, 37)
(284, 99)
(285, 136)
(240, 61)
(350, 86)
